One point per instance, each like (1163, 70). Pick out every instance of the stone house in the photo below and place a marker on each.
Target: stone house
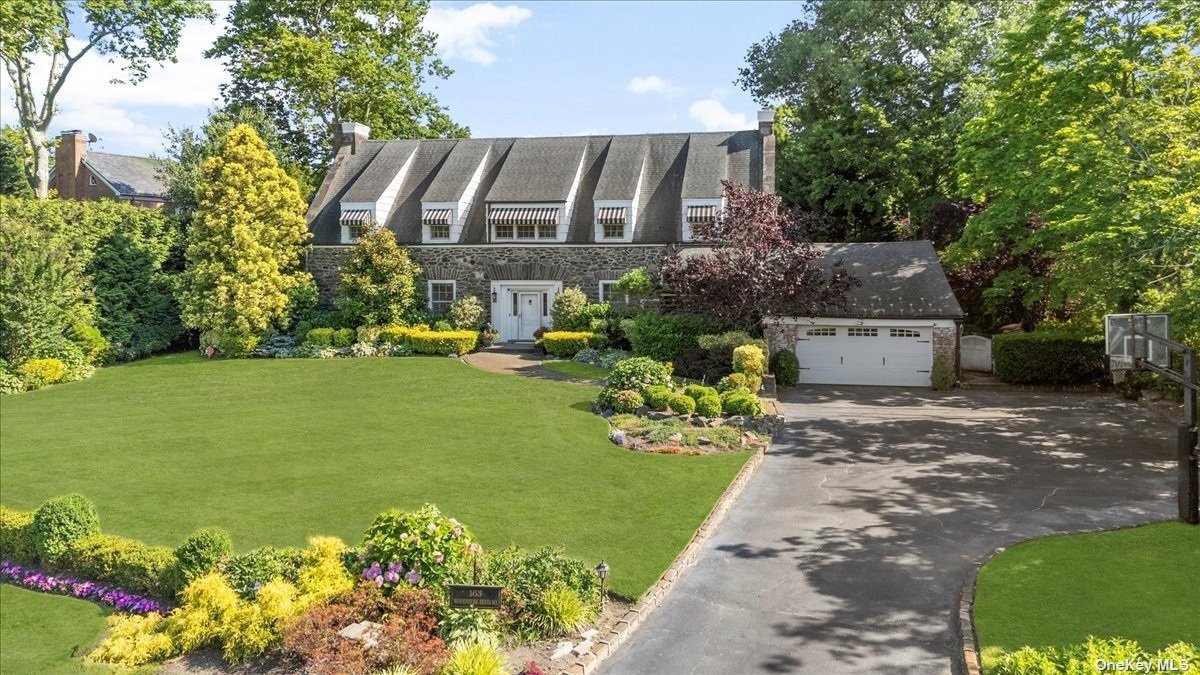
(513, 221)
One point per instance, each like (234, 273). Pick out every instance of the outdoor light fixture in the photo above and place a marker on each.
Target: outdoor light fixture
(602, 572)
(495, 297)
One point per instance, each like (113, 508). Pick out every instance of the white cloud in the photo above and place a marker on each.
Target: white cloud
(90, 101)
(466, 33)
(716, 117)
(652, 84)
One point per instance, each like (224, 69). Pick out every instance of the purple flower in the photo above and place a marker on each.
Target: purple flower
(457, 532)
(110, 595)
(414, 577)
(378, 582)
(438, 557)
(391, 577)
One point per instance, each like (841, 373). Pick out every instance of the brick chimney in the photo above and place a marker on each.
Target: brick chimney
(68, 164)
(766, 131)
(349, 134)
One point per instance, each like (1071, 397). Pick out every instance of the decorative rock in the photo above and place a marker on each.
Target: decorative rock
(365, 631)
(752, 436)
(656, 415)
(618, 437)
(715, 422)
(561, 651)
(704, 440)
(675, 438)
(582, 648)
(642, 411)
(589, 634)
(699, 421)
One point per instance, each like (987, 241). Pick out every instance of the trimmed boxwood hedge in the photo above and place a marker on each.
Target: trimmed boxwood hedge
(565, 343)
(1046, 357)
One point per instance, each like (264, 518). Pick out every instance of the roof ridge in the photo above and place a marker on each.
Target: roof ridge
(121, 154)
(518, 138)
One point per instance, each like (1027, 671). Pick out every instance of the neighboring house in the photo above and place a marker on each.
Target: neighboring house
(893, 325)
(515, 220)
(85, 175)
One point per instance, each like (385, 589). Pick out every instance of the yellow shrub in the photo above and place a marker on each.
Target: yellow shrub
(322, 575)
(257, 626)
(749, 359)
(134, 641)
(38, 373)
(207, 604)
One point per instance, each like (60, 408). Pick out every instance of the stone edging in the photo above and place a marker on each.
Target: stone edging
(968, 640)
(606, 644)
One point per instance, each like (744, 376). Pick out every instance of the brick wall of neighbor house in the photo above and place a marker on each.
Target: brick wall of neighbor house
(475, 267)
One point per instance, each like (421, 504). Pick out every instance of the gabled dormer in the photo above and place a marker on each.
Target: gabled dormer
(372, 197)
(619, 189)
(702, 195)
(449, 198)
(533, 197)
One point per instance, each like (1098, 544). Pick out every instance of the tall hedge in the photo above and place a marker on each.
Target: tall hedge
(665, 336)
(68, 264)
(1046, 357)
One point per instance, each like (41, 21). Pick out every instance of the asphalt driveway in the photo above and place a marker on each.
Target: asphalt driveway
(846, 552)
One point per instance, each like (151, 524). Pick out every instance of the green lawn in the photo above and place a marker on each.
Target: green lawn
(42, 633)
(276, 450)
(582, 371)
(1137, 583)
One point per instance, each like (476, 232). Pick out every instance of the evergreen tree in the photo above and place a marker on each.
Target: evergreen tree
(379, 281)
(244, 246)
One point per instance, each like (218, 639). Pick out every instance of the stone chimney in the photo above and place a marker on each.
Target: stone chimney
(766, 131)
(349, 135)
(68, 164)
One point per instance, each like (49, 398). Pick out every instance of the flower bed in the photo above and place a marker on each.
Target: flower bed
(107, 594)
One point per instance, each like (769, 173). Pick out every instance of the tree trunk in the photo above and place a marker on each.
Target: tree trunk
(39, 174)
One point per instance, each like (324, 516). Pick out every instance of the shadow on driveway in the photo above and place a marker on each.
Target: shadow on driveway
(847, 551)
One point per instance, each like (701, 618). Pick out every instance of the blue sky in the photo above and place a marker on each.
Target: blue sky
(521, 69)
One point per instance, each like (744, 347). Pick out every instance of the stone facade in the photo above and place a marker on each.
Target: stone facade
(945, 343)
(476, 267)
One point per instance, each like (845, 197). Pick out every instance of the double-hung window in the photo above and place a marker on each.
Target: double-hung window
(441, 294)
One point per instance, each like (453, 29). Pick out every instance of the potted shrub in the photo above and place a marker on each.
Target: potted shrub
(488, 335)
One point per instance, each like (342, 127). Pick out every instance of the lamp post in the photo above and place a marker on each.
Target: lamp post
(602, 572)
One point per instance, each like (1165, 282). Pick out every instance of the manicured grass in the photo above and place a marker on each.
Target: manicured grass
(277, 450)
(582, 371)
(42, 633)
(1138, 584)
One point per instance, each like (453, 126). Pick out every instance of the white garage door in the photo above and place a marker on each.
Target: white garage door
(900, 356)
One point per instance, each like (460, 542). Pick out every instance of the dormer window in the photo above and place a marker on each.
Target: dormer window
(524, 223)
(437, 224)
(697, 211)
(614, 220)
(354, 224)
(439, 232)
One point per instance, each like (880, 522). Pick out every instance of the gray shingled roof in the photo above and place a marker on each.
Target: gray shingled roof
(542, 170)
(131, 176)
(900, 280)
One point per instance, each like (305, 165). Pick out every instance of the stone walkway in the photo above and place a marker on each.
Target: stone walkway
(525, 364)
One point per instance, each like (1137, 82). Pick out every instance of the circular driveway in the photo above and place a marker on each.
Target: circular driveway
(847, 551)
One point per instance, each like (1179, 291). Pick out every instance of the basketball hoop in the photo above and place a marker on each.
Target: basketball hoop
(1118, 367)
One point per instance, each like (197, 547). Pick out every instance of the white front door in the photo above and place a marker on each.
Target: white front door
(890, 355)
(529, 316)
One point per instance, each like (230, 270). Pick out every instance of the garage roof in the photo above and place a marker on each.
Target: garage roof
(900, 280)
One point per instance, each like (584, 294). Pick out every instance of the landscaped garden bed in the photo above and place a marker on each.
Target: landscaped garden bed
(1037, 604)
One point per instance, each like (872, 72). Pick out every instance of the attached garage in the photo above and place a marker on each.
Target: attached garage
(892, 325)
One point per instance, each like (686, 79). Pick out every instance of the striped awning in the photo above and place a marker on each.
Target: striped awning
(356, 217)
(523, 216)
(436, 216)
(701, 214)
(610, 215)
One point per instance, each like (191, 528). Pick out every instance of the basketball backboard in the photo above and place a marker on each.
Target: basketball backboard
(1125, 337)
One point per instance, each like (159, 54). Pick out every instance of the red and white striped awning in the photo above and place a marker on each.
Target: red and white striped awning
(436, 217)
(701, 214)
(356, 217)
(523, 216)
(610, 215)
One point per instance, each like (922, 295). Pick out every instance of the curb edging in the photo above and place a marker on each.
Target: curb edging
(607, 643)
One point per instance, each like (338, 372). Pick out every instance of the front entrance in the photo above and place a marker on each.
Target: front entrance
(530, 317)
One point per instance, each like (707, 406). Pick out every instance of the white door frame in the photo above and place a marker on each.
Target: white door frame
(506, 291)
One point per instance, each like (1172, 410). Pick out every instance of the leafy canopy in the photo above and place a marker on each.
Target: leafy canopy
(872, 95)
(761, 263)
(310, 63)
(244, 246)
(1089, 125)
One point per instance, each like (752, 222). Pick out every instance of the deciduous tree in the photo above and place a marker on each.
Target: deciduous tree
(14, 177)
(761, 263)
(137, 33)
(310, 63)
(873, 93)
(244, 246)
